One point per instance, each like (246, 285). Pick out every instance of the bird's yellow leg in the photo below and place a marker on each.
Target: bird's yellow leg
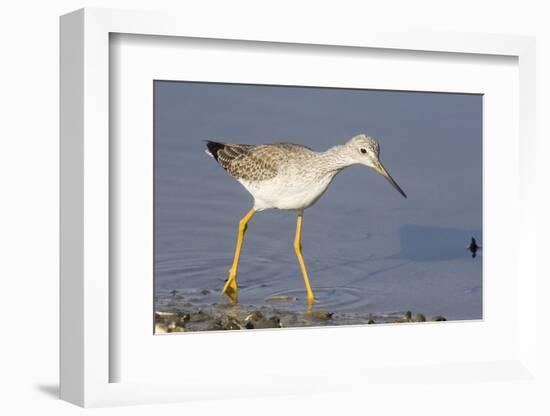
(298, 249)
(230, 289)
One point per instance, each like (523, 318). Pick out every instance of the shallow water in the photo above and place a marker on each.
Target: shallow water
(368, 250)
(199, 310)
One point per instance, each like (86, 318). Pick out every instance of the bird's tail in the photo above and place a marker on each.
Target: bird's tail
(212, 148)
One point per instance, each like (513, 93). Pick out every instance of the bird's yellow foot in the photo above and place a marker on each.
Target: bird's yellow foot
(310, 302)
(230, 289)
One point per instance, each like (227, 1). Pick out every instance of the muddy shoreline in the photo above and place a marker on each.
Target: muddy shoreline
(205, 311)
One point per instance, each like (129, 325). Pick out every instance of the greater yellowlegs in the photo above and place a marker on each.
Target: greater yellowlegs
(291, 177)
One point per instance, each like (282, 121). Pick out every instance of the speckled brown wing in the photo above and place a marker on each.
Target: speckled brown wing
(253, 162)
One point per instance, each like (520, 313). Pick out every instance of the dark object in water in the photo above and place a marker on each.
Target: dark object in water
(473, 247)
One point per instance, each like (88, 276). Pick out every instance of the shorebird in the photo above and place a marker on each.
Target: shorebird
(290, 177)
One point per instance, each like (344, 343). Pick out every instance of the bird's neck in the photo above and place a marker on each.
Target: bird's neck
(334, 159)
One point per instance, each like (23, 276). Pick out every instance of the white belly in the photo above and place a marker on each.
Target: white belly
(282, 194)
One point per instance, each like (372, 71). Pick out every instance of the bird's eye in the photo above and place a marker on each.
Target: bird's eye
(363, 150)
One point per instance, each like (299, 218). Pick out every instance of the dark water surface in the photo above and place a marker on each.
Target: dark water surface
(368, 250)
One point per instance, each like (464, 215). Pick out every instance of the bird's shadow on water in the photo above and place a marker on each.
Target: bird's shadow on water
(424, 244)
(427, 243)
(421, 243)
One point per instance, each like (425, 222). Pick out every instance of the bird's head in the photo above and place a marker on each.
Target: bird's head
(365, 150)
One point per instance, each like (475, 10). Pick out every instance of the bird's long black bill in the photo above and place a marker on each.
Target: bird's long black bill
(382, 171)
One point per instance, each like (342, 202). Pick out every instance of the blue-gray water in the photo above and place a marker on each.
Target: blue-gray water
(368, 249)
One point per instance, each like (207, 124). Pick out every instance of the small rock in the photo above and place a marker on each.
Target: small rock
(275, 321)
(160, 329)
(183, 317)
(172, 327)
(254, 316)
(230, 323)
(370, 322)
(408, 316)
(215, 325)
(205, 292)
(164, 317)
(164, 314)
(438, 318)
(177, 328)
(281, 299)
(420, 317)
(321, 315)
(272, 322)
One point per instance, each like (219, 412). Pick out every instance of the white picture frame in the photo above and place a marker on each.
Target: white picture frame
(86, 356)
